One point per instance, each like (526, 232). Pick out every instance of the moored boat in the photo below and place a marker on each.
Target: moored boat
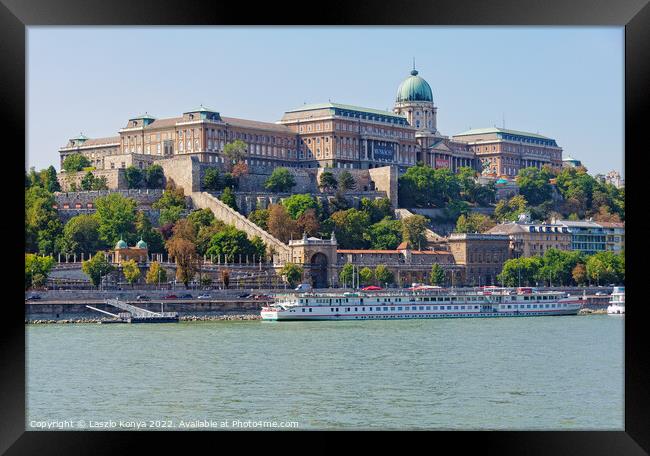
(421, 303)
(617, 302)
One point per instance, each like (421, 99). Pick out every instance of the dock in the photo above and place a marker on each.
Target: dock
(133, 314)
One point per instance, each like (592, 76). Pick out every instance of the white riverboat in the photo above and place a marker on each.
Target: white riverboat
(421, 303)
(617, 302)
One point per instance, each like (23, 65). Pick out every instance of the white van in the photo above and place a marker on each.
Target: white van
(303, 287)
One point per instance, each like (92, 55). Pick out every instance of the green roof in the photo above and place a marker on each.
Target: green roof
(414, 88)
(201, 109)
(315, 106)
(143, 116)
(81, 137)
(141, 244)
(482, 131)
(121, 244)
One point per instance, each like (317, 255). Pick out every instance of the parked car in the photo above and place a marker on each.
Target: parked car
(186, 296)
(262, 297)
(170, 296)
(303, 287)
(33, 297)
(245, 295)
(142, 298)
(204, 296)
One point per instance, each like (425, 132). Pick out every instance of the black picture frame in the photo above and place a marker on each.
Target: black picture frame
(634, 15)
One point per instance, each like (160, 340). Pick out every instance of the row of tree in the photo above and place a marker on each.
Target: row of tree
(564, 268)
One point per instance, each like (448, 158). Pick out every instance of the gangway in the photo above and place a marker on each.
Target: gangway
(133, 314)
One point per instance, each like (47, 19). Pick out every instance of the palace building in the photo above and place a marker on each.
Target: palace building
(323, 135)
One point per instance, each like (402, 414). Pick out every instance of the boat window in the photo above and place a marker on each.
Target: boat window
(428, 307)
(355, 309)
(435, 307)
(385, 309)
(310, 309)
(399, 308)
(421, 307)
(302, 310)
(363, 308)
(448, 307)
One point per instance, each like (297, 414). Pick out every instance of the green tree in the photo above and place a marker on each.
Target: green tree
(235, 152)
(346, 181)
(296, 205)
(293, 273)
(437, 275)
(377, 209)
(327, 181)
(156, 274)
(43, 228)
(150, 235)
(280, 180)
(260, 217)
(37, 268)
(366, 276)
(154, 176)
(201, 217)
(75, 162)
(534, 184)
(116, 217)
(87, 181)
(231, 243)
(414, 231)
(602, 267)
(212, 180)
(474, 223)
(134, 177)
(349, 226)
(49, 180)
(99, 183)
(385, 234)
(518, 271)
(81, 235)
(131, 271)
(346, 274)
(508, 211)
(228, 197)
(423, 186)
(383, 275)
(97, 267)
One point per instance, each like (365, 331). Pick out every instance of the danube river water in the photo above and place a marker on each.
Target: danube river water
(505, 373)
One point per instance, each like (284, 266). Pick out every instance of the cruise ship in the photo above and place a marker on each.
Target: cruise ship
(424, 302)
(617, 302)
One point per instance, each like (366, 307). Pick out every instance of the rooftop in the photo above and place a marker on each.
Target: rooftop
(484, 131)
(316, 106)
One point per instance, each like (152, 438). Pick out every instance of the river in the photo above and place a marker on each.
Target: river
(505, 373)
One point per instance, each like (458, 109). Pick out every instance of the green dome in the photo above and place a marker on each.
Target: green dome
(121, 244)
(414, 88)
(141, 244)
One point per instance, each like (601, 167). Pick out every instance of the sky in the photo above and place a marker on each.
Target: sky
(566, 83)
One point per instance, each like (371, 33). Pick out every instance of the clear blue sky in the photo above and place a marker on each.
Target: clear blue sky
(563, 82)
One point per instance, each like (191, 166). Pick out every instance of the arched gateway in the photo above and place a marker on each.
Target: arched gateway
(318, 258)
(318, 271)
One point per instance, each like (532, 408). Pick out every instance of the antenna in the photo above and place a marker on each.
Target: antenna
(504, 120)
(414, 63)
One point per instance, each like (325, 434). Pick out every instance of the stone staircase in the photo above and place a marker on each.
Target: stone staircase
(223, 212)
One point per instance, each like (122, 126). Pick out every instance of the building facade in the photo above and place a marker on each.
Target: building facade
(587, 236)
(614, 236)
(482, 256)
(321, 135)
(532, 239)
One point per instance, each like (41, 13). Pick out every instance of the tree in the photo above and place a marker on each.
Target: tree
(280, 224)
(423, 186)
(233, 244)
(171, 204)
(100, 183)
(228, 197)
(366, 276)
(234, 152)
(134, 177)
(346, 274)
(518, 271)
(156, 274)
(414, 231)
(150, 235)
(37, 268)
(297, 204)
(212, 180)
(327, 181)
(43, 227)
(383, 275)
(349, 226)
(81, 235)
(97, 267)
(260, 217)
(602, 267)
(346, 181)
(87, 181)
(377, 209)
(116, 217)
(308, 222)
(280, 180)
(154, 176)
(170, 214)
(437, 275)
(474, 223)
(509, 210)
(205, 234)
(201, 217)
(238, 170)
(49, 180)
(579, 274)
(385, 234)
(293, 273)
(184, 253)
(131, 271)
(75, 162)
(534, 184)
